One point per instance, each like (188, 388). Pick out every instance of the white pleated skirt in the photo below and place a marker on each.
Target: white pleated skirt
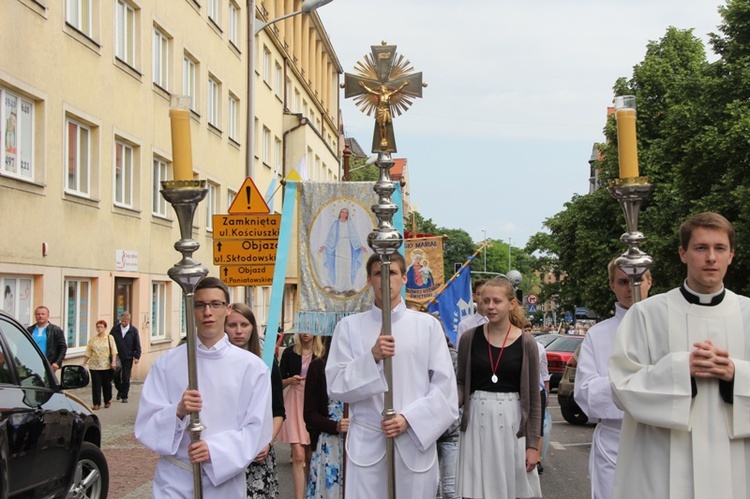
(491, 459)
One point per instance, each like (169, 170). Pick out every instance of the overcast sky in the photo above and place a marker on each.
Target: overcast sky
(517, 95)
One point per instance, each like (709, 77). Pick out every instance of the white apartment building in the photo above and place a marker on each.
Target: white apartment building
(85, 88)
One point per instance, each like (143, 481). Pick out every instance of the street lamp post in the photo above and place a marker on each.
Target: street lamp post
(484, 233)
(254, 28)
(509, 239)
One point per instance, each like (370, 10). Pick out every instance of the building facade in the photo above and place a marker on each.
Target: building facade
(85, 88)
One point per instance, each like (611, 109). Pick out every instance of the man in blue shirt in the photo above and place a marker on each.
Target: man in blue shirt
(50, 338)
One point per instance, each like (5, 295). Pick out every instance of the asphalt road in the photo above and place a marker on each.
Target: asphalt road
(132, 466)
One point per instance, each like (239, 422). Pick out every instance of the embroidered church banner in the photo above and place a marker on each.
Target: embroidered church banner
(335, 219)
(424, 267)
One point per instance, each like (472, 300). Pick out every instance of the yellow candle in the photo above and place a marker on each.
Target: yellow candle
(182, 155)
(627, 146)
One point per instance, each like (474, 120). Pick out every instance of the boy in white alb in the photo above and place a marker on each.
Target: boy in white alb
(592, 388)
(234, 401)
(424, 391)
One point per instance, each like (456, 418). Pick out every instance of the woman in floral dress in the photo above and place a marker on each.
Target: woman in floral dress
(326, 422)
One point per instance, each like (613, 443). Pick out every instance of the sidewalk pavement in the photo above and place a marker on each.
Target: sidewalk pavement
(131, 465)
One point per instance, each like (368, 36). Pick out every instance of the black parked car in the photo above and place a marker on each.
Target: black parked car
(49, 441)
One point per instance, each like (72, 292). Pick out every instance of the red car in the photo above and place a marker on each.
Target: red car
(558, 353)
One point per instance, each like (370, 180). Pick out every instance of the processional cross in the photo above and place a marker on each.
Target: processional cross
(385, 83)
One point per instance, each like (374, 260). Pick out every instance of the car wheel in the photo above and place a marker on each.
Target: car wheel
(91, 478)
(572, 413)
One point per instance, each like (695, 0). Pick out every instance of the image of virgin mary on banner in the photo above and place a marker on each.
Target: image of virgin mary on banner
(334, 219)
(424, 267)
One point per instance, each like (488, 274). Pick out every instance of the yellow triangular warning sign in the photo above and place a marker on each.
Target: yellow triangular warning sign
(249, 200)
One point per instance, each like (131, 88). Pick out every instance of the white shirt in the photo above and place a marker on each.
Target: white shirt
(235, 387)
(593, 395)
(470, 322)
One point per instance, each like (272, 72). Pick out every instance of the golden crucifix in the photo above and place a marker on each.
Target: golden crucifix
(385, 83)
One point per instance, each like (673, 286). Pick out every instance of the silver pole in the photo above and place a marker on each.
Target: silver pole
(386, 240)
(630, 193)
(184, 196)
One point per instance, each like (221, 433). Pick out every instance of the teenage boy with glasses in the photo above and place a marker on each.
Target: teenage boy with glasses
(234, 402)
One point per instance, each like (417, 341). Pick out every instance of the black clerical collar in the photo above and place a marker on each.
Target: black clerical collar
(695, 299)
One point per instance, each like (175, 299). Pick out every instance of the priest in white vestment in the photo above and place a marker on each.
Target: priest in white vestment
(593, 393)
(234, 401)
(424, 392)
(680, 370)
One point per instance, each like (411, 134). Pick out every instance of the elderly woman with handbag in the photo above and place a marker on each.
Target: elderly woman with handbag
(101, 355)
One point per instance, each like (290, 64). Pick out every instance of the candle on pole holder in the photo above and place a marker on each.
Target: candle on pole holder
(630, 190)
(182, 154)
(627, 144)
(184, 194)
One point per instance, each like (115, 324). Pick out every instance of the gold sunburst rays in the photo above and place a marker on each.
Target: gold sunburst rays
(401, 70)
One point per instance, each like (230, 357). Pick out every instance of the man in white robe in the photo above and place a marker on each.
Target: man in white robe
(477, 318)
(424, 392)
(234, 402)
(680, 370)
(593, 393)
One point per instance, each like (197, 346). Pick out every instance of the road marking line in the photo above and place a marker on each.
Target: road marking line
(559, 446)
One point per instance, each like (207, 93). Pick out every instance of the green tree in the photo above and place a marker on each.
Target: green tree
(416, 223)
(457, 248)
(358, 172)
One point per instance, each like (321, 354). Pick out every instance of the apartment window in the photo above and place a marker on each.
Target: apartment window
(234, 24)
(212, 205)
(17, 295)
(297, 98)
(158, 310)
(304, 108)
(277, 155)
(266, 146)
(158, 203)
(230, 197)
(77, 303)
(78, 15)
(188, 80)
(125, 32)
(16, 134)
(277, 80)
(213, 11)
(78, 156)
(233, 110)
(161, 59)
(123, 174)
(266, 65)
(213, 102)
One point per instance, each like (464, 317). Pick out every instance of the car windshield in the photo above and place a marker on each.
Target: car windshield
(546, 339)
(564, 344)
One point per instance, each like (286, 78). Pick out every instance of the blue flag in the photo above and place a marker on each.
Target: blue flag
(454, 303)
